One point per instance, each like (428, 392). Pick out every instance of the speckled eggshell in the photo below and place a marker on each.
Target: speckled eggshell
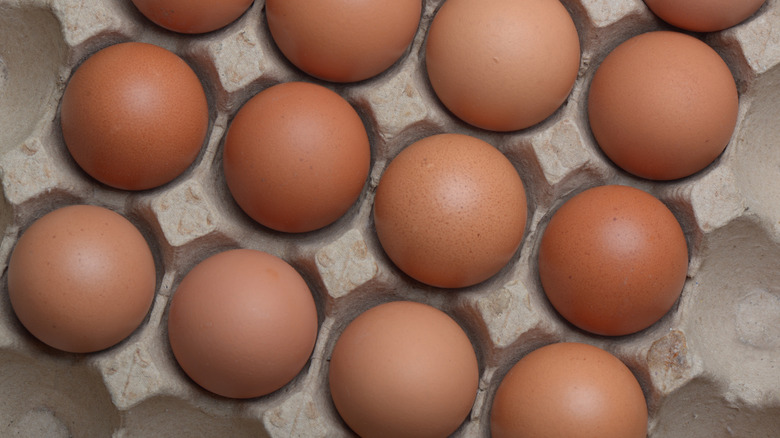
(613, 260)
(663, 105)
(502, 65)
(192, 16)
(343, 40)
(704, 15)
(403, 369)
(242, 323)
(81, 278)
(569, 390)
(296, 157)
(450, 210)
(134, 116)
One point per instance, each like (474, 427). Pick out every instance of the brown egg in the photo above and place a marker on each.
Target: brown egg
(663, 105)
(242, 323)
(502, 65)
(569, 390)
(296, 157)
(134, 116)
(403, 369)
(81, 278)
(450, 210)
(192, 16)
(342, 40)
(613, 260)
(704, 15)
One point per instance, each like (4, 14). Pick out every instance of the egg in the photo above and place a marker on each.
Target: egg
(134, 116)
(502, 65)
(569, 390)
(81, 278)
(663, 105)
(242, 323)
(192, 16)
(403, 369)
(613, 260)
(343, 40)
(450, 210)
(704, 15)
(296, 157)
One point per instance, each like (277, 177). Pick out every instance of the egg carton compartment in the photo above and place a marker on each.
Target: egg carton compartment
(707, 368)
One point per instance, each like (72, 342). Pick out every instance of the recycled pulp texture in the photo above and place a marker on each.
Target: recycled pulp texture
(709, 368)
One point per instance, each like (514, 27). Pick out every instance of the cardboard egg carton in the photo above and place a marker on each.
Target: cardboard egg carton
(709, 368)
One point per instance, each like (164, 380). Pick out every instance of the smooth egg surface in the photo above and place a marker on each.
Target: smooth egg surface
(242, 323)
(296, 157)
(134, 116)
(704, 15)
(450, 210)
(663, 105)
(569, 390)
(403, 369)
(502, 65)
(343, 40)
(81, 278)
(613, 260)
(192, 16)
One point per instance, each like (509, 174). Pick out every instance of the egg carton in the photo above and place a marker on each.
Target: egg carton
(709, 368)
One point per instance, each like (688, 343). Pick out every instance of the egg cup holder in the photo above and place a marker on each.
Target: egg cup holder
(709, 368)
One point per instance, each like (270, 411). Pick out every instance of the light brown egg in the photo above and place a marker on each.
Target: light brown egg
(403, 369)
(704, 15)
(296, 157)
(663, 105)
(81, 278)
(192, 16)
(242, 323)
(450, 210)
(343, 40)
(569, 390)
(134, 116)
(502, 65)
(613, 260)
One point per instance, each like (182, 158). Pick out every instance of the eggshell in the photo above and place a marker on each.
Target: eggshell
(81, 278)
(704, 15)
(502, 65)
(242, 323)
(663, 105)
(613, 260)
(343, 40)
(134, 116)
(192, 16)
(450, 210)
(296, 157)
(403, 369)
(569, 390)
